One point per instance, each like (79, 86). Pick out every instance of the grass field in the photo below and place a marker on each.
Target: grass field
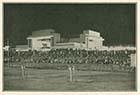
(58, 80)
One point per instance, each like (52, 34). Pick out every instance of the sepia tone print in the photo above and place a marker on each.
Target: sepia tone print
(69, 47)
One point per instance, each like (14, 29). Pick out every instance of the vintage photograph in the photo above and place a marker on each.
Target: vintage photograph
(69, 47)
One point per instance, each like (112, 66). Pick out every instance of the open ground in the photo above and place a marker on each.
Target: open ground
(58, 80)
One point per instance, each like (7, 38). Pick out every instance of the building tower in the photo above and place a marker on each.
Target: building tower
(91, 39)
(43, 39)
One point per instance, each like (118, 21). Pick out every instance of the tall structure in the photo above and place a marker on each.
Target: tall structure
(91, 39)
(43, 39)
(47, 39)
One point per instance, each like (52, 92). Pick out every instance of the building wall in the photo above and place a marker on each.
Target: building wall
(56, 37)
(67, 45)
(37, 43)
(43, 32)
(91, 32)
(91, 39)
(93, 42)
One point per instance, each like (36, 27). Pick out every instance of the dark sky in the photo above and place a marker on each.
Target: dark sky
(115, 22)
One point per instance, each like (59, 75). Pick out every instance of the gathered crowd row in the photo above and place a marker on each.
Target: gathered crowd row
(71, 56)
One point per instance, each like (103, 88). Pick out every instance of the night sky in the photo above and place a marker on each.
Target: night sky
(115, 22)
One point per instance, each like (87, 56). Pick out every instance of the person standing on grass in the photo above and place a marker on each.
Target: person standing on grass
(73, 72)
(22, 66)
(70, 73)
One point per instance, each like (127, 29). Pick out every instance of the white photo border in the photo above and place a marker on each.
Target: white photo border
(70, 93)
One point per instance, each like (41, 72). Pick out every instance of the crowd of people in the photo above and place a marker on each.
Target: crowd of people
(71, 56)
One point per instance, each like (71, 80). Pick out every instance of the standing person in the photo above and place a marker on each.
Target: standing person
(70, 73)
(23, 71)
(73, 72)
(23, 68)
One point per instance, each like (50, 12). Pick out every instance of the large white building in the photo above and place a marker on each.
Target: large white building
(43, 39)
(92, 39)
(49, 39)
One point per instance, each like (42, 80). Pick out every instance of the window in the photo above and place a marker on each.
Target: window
(90, 40)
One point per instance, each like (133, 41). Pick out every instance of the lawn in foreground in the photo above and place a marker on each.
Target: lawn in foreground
(58, 80)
